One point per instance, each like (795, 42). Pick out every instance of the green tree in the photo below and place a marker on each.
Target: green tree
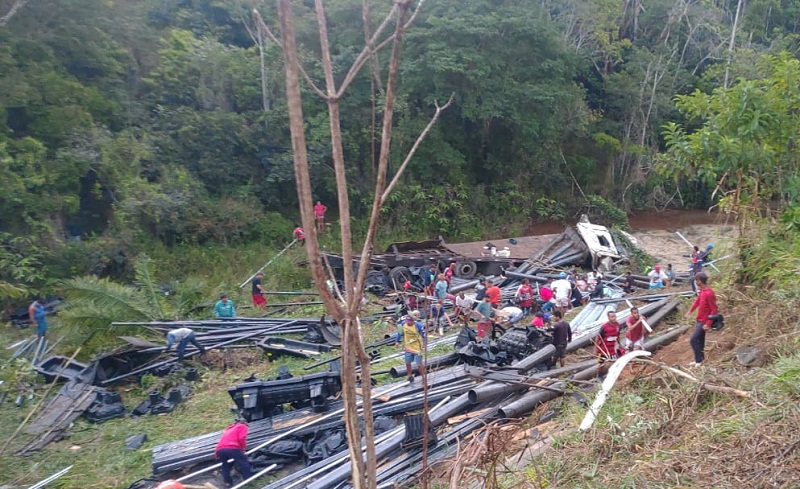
(744, 147)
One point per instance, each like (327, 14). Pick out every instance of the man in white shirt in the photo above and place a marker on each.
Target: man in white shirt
(562, 290)
(464, 308)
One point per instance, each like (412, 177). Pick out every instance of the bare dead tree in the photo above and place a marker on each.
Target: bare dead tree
(346, 314)
(11, 11)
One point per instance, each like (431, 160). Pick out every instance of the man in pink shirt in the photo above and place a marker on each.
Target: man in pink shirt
(319, 214)
(231, 450)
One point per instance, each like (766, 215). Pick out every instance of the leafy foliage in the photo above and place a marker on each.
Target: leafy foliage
(745, 146)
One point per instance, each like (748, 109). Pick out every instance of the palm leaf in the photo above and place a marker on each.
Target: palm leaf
(100, 301)
(145, 278)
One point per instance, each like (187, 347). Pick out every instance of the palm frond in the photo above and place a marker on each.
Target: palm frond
(11, 291)
(106, 301)
(145, 278)
(189, 295)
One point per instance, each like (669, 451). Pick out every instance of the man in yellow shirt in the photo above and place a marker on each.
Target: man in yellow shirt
(412, 334)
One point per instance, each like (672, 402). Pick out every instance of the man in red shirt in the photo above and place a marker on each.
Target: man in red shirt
(232, 446)
(634, 336)
(319, 214)
(493, 293)
(524, 297)
(706, 305)
(605, 344)
(547, 296)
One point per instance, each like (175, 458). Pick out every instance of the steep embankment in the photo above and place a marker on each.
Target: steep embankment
(659, 430)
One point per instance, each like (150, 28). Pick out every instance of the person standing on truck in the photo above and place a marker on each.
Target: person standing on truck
(412, 334)
(38, 316)
(232, 451)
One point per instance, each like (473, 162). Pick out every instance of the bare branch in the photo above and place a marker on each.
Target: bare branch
(413, 150)
(15, 7)
(363, 56)
(263, 26)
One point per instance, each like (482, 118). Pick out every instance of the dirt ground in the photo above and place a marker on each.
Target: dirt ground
(667, 247)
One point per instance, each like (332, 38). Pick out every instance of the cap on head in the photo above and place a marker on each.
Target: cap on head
(563, 274)
(658, 267)
(709, 246)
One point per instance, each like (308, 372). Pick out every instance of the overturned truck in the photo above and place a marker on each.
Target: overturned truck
(589, 245)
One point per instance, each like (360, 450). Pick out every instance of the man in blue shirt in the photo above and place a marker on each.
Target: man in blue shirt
(224, 308)
(37, 316)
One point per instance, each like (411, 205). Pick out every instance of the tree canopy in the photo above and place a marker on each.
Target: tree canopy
(130, 123)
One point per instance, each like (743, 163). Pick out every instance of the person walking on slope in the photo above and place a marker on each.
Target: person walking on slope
(319, 215)
(258, 291)
(224, 308)
(38, 316)
(232, 445)
(182, 336)
(412, 334)
(706, 305)
(299, 234)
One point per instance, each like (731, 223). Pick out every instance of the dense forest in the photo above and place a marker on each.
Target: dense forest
(128, 123)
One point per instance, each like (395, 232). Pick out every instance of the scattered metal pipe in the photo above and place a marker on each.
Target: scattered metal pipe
(50, 479)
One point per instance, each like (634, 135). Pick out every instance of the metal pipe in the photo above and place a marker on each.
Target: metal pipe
(254, 477)
(528, 401)
(50, 479)
(267, 264)
(432, 363)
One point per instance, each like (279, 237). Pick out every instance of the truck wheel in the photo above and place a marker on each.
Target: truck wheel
(466, 269)
(399, 276)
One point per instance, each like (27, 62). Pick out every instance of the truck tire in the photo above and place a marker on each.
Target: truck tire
(466, 269)
(398, 276)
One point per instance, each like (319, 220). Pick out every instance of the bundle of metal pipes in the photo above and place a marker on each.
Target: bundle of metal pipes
(34, 349)
(509, 393)
(405, 397)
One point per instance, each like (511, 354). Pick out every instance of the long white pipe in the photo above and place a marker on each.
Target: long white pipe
(611, 379)
(254, 477)
(51, 478)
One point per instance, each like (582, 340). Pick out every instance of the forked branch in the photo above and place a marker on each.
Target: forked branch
(413, 150)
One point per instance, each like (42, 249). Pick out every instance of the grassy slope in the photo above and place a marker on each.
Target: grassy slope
(97, 451)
